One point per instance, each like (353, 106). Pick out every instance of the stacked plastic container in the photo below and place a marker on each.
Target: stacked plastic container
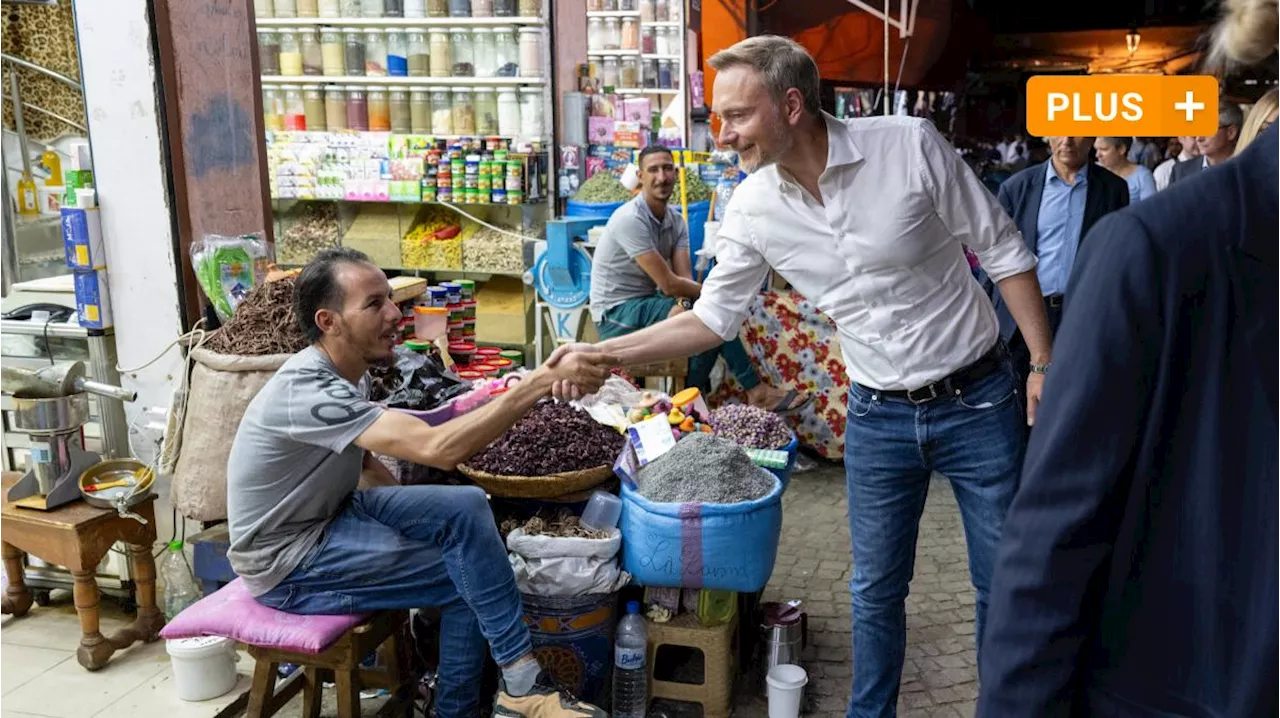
(82, 241)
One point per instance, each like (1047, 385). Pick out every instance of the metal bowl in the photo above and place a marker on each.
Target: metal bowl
(112, 470)
(51, 416)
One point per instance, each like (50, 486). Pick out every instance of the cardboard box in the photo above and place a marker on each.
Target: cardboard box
(82, 238)
(600, 131)
(93, 299)
(627, 134)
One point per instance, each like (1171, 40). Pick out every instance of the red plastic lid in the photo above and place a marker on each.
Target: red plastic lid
(470, 375)
(462, 347)
(468, 302)
(488, 351)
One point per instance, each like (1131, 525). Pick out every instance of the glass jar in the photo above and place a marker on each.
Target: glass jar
(290, 53)
(273, 109)
(647, 10)
(629, 75)
(375, 53)
(508, 112)
(661, 43)
(595, 5)
(664, 75)
(398, 102)
(486, 111)
(531, 120)
(595, 34)
(627, 5)
(350, 8)
(630, 34)
(506, 52)
(459, 8)
(530, 8)
(308, 8)
(464, 111)
(609, 72)
(295, 110)
(420, 111)
(331, 52)
(530, 52)
(441, 112)
(397, 53)
(648, 40)
(286, 8)
(441, 52)
(481, 8)
(612, 33)
(379, 108)
(335, 109)
(313, 107)
(353, 52)
(610, 5)
(504, 8)
(371, 8)
(264, 8)
(415, 8)
(437, 8)
(357, 109)
(650, 74)
(486, 52)
(330, 8)
(393, 8)
(660, 11)
(464, 54)
(269, 51)
(419, 53)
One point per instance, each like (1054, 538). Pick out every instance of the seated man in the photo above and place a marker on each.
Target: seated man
(642, 273)
(305, 540)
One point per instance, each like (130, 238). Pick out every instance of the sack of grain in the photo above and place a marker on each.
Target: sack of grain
(221, 387)
(565, 566)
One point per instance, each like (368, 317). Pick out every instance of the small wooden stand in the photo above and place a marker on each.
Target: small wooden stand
(78, 536)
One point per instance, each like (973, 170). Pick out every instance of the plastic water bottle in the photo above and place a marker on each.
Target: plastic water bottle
(179, 585)
(630, 685)
(724, 192)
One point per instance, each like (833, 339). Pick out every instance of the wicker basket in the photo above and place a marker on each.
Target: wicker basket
(538, 487)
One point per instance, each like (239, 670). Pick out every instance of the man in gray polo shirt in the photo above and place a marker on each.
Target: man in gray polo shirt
(642, 273)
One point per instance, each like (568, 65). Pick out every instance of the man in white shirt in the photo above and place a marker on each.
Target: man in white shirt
(1164, 172)
(868, 218)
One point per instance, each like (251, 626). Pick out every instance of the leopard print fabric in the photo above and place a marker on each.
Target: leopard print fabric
(45, 35)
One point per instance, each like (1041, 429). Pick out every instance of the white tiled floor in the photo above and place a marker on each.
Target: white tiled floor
(39, 675)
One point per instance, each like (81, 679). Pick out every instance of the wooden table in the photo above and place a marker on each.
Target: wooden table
(78, 536)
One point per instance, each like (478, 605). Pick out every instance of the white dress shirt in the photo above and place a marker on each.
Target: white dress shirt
(882, 256)
(1164, 172)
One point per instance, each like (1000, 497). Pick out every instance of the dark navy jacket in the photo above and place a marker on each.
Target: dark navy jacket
(1136, 575)
(1020, 196)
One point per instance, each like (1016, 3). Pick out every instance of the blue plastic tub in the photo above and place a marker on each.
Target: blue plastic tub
(591, 209)
(730, 547)
(573, 639)
(792, 448)
(699, 213)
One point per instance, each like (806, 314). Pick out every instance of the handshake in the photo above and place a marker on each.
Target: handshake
(576, 370)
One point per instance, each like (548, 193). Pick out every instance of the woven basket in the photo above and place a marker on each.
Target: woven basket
(538, 487)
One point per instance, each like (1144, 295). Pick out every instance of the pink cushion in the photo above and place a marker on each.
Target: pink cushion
(233, 613)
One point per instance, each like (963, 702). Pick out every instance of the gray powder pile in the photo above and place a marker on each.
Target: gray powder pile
(707, 469)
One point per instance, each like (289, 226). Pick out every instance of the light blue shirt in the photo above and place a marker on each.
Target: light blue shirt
(1058, 228)
(1142, 184)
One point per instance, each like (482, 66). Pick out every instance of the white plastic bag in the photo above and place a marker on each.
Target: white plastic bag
(558, 566)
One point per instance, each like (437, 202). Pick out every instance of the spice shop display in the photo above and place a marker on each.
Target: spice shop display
(704, 468)
(551, 438)
(750, 426)
(601, 188)
(488, 250)
(263, 324)
(312, 227)
(434, 241)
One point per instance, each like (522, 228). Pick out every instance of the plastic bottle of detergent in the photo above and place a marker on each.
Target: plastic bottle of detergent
(179, 585)
(630, 684)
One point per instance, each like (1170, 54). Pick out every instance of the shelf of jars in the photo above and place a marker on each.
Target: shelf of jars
(615, 51)
(429, 10)
(647, 91)
(400, 81)
(613, 13)
(398, 22)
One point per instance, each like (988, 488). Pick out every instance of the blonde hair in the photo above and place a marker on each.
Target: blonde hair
(1245, 34)
(1262, 109)
(782, 62)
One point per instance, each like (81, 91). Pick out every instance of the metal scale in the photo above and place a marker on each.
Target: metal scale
(561, 275)
(51, 406)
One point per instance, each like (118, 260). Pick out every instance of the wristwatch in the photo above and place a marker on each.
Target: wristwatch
(686, 304)
(1040, 368)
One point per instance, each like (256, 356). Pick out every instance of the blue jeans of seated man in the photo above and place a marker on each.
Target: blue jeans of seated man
(404, 547)
(635, 314)
(891, 448)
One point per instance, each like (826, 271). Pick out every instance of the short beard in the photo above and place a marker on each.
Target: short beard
(781, 141)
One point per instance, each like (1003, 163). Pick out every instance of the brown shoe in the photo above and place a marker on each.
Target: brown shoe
(544, 701)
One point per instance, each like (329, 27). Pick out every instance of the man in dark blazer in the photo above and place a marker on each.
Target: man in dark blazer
(1054, 204)
(1137, 571)
(1216, 148)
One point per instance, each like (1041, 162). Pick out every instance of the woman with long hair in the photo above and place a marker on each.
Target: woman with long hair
(1137, 568)
(1262, 116)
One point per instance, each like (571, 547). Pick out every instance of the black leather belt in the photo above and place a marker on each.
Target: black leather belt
(1053, 301)
(951, 385)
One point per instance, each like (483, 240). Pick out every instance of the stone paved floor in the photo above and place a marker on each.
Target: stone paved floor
(814, 564)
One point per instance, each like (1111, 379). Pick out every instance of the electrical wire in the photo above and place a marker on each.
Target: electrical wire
(483, 223)
(47, 346)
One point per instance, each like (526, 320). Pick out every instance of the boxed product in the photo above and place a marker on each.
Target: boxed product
(627, 134)
(93, 299)
(82, 238)
(600, 130)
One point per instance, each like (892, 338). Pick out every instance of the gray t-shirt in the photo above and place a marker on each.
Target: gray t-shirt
(292, 466)
(632, 231)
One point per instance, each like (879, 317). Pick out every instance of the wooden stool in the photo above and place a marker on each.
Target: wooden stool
(78, 536)
(339, 662)
(677, 370)
(719, 653)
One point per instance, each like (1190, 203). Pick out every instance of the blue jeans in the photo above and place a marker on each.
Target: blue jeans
(406, 547)
(891, 448)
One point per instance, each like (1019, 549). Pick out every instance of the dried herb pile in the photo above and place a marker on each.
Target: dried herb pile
(263, 324)
(563, 524)
(552, 438)
(751, 426)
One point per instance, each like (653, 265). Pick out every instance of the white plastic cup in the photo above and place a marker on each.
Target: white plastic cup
(786, 688)
(602, 511)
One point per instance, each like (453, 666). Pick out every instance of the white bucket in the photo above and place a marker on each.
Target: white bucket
(786, 687)
(203, 667)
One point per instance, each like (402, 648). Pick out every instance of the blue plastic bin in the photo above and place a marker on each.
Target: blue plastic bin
(591, 209)
(699, 213)
(729, 547)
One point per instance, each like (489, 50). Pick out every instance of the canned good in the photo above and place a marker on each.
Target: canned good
(498, 195)
(468, 287)
(456, 312)
(515, 196)
(455, 293)
(438, 296)
(445, 195)
(428, 192)
(455, 332)
(469, 309)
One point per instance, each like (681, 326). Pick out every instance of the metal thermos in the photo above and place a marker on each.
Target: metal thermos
(784, 634)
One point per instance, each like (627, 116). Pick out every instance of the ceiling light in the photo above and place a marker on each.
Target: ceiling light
(1132, 39)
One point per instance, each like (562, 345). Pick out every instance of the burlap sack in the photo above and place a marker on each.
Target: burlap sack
(221, 387)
